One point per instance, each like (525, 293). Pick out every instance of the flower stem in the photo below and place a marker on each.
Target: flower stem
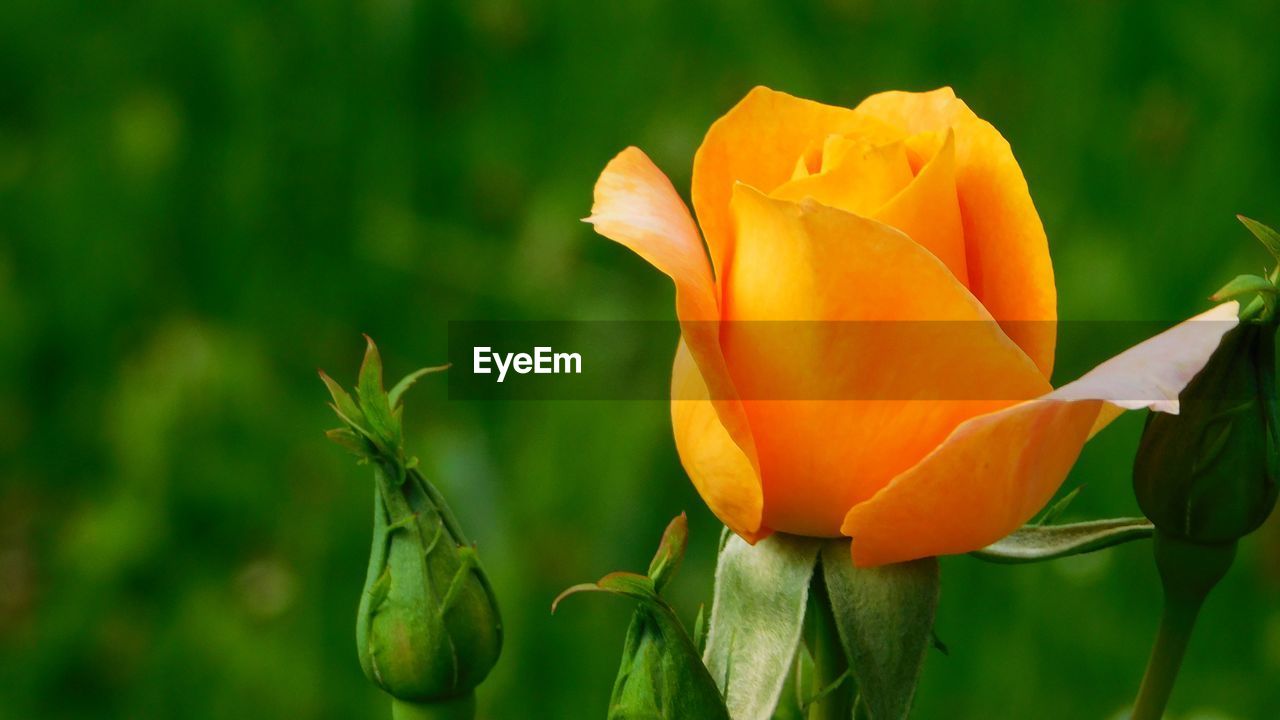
(829, 659)
(460, 708)
(1188, 571)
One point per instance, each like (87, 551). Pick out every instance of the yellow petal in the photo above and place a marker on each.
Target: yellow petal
(995, 471)
(759, 142)
(928, 211)
(1007, 254)
(636, 205)
(721, 472)
(857, 177)
(839, 407)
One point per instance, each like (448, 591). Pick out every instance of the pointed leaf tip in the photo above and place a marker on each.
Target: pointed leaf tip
(1049, 542)
(1269, 238)
(397, 392)
(666, 561)
(632, 585)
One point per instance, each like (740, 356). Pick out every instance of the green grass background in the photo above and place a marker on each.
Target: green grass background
(202, 202)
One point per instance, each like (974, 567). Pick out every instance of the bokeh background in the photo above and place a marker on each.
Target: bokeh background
(202, 202)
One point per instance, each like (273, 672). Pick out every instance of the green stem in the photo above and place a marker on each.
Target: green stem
(829, 659)
(1188, 571)
(461, 708)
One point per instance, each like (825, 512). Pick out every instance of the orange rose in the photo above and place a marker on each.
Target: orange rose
(909, 207)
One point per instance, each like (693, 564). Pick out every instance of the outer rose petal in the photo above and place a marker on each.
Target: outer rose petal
(872, 386)
(1007, 252)
(636, 206)
(719, 470)
(996, 471)
(758, 143)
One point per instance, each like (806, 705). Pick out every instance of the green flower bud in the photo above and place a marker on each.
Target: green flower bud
(428, 629)
(661, 676)
(1208, 474)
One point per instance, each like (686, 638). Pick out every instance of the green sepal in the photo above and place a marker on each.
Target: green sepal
(1055, 510)
(397, 393)
(383, 425)
(661, 676)
(757, 617)
(1269, 238)
(1242, 286)
(1038, 543)
(666, 561)
(885, 620)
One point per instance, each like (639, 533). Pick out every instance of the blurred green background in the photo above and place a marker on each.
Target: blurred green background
(202, 202)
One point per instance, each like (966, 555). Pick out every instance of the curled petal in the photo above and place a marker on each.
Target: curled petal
(995, 471)
(636, 205)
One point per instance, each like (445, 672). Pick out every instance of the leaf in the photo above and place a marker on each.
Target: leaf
(1059, 507)
(636, 587)
(885, 618)
(757, 616)
(1047, 542)
(408, 381)
(1242, 285)
(343, 404)
(670, 552)
(373, 400)
(1269, 238)
(348, 439)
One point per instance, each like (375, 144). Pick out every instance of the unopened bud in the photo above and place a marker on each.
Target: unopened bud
(1208, 474)
(428, 629)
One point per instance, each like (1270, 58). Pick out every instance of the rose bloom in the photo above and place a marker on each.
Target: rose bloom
(907, 208)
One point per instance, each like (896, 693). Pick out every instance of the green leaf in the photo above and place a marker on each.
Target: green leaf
(348, 439)
(397, 392)
(1047, 542)
(1242, 285)
(670, 552)
(637, 587)
(1059, 507)
(757, 617)
(885, 618)
(373, 400)
(343, 404)
(1269, 238)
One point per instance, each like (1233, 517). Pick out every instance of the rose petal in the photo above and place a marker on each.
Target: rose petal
(838, 407)
(721, 472)
(928, 211)
(860, 180)
(758, 142)
(1007, 254)
(636, 205)
(995, 471)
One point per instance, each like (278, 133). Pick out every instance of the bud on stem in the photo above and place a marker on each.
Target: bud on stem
(428, 629)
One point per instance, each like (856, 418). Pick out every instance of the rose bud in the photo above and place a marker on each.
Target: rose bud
(1208, 474)
(907, 211)
(428, 629)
